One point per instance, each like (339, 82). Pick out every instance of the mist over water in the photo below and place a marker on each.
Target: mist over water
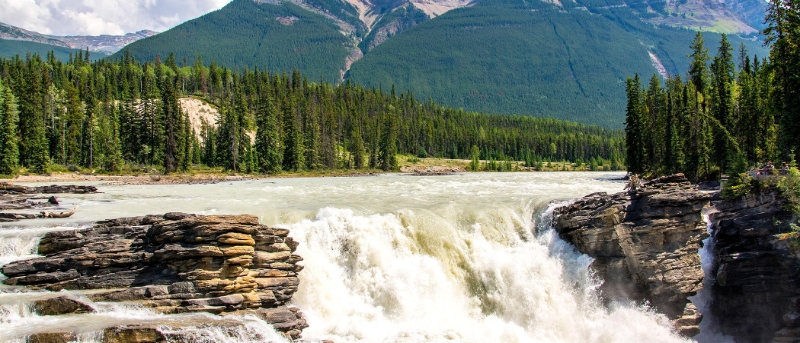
(463, 258)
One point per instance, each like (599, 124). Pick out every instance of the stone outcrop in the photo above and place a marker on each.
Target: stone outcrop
(175, 263)
(756, 293)
(644, 244)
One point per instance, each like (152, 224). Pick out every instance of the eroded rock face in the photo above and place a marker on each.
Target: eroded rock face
(173, 263)
(645, 244)
(757, 270)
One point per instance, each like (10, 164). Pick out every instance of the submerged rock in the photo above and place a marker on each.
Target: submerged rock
(60, 305)
(175, 263)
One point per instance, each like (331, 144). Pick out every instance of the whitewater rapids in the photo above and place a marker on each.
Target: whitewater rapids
(463, 258)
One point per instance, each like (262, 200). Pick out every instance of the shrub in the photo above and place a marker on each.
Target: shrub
(738, 186)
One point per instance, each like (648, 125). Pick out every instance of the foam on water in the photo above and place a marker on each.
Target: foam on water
(704, 298)
(18, 243)
(418, 276)
(465, 258)
(19, 321)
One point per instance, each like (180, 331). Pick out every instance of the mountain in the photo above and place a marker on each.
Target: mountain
(552, 58)
(105, 44)
(11, 48)
(281, 36)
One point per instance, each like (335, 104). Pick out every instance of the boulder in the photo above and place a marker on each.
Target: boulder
(60, 305)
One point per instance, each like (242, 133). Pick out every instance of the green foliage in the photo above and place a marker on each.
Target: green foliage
(475, 163)
(789, 187)
(716, 122)
(268, 137)
(126, 116)
(9, 116)
(739, 186)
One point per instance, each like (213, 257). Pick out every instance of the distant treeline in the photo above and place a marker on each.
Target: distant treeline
(113, 115)
(721, 119)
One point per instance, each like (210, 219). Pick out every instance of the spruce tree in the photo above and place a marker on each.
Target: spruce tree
(357, 146)
(171, 114)
(268, 147)
(722, 70)
(293, 156)
(387, 157)
(9, 150)
(634, 130)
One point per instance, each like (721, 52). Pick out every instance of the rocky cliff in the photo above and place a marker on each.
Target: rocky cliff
(645, 244)
(756, 269)
(175, 263)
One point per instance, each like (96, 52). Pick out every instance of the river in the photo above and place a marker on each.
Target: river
(393, 258)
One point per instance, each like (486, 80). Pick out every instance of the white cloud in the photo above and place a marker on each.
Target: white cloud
(96, 17)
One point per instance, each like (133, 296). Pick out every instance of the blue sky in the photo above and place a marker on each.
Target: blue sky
(96, 17)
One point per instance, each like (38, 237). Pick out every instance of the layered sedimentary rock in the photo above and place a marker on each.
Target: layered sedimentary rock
(175, 263)
(645, 244)
(757, 269)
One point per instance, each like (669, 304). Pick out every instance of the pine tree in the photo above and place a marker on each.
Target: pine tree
(357, 146)
(783, 33)
(9, 150)
(634, 130)
(293, 149)
(698, 69)
(113, 160)
(33, 148)
(171, 113)
(722, 70)
(268, 147)
(387, 157)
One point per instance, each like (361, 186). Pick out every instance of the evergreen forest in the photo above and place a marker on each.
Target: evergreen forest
(123, 115)
(731, 113)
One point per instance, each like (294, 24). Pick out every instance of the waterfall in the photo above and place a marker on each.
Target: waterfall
(703, 299)
(466, 258)
(419, 276)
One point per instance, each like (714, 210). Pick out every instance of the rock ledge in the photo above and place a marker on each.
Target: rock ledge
(175, 263)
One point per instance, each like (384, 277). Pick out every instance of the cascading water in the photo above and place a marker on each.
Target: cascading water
(424, 277)
(703, 299)
(467, 258)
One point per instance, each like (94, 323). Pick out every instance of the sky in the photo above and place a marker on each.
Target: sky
(97, 17)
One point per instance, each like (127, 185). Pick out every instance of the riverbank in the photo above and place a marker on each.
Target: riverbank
(204, 175)
(158, 179)
(408, 165)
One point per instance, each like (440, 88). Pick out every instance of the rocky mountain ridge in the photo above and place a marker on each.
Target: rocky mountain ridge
(105, 44)
(646, 246)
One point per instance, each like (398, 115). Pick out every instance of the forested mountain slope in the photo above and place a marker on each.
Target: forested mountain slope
(529, 58)
(559, 59)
